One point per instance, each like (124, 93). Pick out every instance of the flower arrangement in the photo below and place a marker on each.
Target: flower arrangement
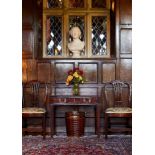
(75, 77)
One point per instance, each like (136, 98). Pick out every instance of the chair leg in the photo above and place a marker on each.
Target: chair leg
(24, 126)
(129, 125)
(106, 126)
(44, 126)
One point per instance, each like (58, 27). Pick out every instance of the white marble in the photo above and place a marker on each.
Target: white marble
(76, 46)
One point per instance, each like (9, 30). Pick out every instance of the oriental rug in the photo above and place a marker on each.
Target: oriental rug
(87, 145)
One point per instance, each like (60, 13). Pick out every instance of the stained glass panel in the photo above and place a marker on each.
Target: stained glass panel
(98, 3)
(99, 35)
(54, 35)
(54, 3)
(76, 3)
(77, 21)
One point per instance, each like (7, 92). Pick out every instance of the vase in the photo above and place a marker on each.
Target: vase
(76, 89)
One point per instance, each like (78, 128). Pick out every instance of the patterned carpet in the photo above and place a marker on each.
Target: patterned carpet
(87, 145)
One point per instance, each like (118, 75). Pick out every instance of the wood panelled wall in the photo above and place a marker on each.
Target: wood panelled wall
(97, 71)
(124, 38)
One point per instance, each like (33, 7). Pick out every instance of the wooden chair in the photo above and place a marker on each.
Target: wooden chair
(34, 109)
(117, 104)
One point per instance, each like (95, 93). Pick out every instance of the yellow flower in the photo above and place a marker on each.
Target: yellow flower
(76, 75)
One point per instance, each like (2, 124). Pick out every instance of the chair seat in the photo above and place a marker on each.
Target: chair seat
(30, 110)
(119, 110)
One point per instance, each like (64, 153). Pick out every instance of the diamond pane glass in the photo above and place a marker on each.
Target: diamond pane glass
(54, 35)
(77, 21)
(54, 3)
(99, 35)
(76, 3)
(98, 3)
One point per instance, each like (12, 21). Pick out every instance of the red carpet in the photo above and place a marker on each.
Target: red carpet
(88, 145)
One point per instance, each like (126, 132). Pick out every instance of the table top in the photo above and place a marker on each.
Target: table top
(73, 100)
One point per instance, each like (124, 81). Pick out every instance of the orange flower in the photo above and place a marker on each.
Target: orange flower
(69, 78)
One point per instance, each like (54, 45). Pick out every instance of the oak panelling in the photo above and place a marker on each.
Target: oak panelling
(27, 28)
(61, 71)
(112, 27)
(125, 41)
(63, 90)
(90, 71)
(108, 72)
(37, 29)
(83, 90)
(126, 69)
(24, 71)
(52, 72)
(44, 71)
(31, 69)
(88, 91)
(27, 12)
(125, 11)
(27, 43)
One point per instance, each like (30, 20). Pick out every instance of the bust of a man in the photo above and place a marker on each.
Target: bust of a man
(76, 46)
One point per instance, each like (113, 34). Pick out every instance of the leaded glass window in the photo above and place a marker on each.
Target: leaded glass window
(54, 3)
(99, 35)
(98, 3)
(54, 35)
(91, 16)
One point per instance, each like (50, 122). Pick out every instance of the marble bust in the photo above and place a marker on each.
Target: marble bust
(76, 46)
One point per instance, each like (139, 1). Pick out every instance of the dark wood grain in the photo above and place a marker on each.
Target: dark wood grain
(126, 41)
(61, 71)
(90, 71)
(125, 11)
(126, 69)
(44, 71)
(108, 72)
